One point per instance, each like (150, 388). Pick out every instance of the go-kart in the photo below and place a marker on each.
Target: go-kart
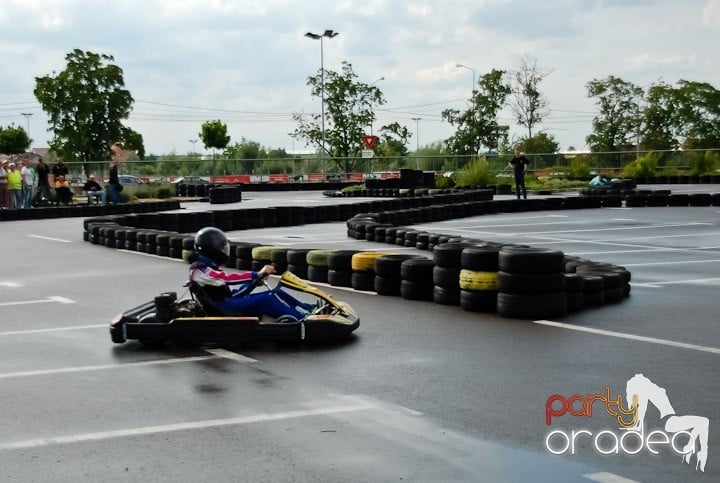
(196, 319)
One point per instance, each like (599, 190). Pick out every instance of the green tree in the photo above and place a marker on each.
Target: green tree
(661, 126)
(699, 113)
(616, 127)
(214, 135)
(13, 140)
(526, 102)
(541, 143)
(349, 108)
(247, 153)
(133, 141)
(85, 104)
(478, 126)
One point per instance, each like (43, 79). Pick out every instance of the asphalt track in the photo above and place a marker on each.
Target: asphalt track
(422, 393)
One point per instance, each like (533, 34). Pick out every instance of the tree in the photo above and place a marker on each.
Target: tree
(348, 110)
(13, 140)
(699, 114)
(478, 126)
(616, 128)
(661, 122)
(214, 135)
(133, 141)
(85, 104)
(527, 103)
(392, 146)
(541, 143)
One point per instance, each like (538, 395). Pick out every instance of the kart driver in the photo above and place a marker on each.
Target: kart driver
(227, 289)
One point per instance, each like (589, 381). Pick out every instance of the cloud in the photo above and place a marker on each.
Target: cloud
(711, 14)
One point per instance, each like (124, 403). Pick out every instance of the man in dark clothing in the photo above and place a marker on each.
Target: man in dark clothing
(94, 190)
(113, 186)
(43, 170)
(59, 169)
(519, 164)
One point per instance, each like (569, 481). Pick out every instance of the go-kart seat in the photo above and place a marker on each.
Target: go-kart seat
(205, 300)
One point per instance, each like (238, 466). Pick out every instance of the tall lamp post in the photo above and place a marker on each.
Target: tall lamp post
(327, 34)
(417, 140)
(27, 116)
(372, 85)
(460, 66)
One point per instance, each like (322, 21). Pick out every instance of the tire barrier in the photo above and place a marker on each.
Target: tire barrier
(478, 277)
(225, 194)
(446, 272)
(86, 211)
(317, 263)
(363, 270)
(387, 273)
(417, 282)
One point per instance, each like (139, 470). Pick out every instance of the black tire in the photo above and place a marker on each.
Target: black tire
(446, 295)
(480, 259)
(297, 256)
(449, 254)
(575, 301)
(446, 277)
(532, 306)
(573, 282)
(299, 270)
(341, 260)
(416, 290)
(530, 260)
(529, 283)
(417, 269)
(387, 285)
(389, 265)
(364, 281)
(340, 278)
(317, 274)
(484, 301)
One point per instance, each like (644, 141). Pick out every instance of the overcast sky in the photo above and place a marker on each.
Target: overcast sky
(246, 62)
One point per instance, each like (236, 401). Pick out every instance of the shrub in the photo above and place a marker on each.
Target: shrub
(704, 163)
(475, 173)
(165, 192)
(444, 182)
(579, 168)
(642, 166)
(142, 194)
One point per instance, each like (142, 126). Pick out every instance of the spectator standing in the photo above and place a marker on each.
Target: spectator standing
(93, 189)
(519, 163)
(59, 169)
(3, 185)
(43, 184)
(15, 186)
(28, 175)
(113, 186)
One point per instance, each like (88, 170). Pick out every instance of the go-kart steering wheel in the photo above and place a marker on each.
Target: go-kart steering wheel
(253, 285)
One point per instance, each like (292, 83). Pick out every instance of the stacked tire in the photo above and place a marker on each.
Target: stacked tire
(387, 273)
(317, 262)
(363, 270)
(297, 261)
(340, 268)
(530, 283)
(417, 279)
(478, 278)
(446, 272)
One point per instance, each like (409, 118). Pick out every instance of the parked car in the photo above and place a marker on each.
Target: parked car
(190, 180)
(128, 180)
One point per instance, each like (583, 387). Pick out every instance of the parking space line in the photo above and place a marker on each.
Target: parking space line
(595, 230)
(40, 237)
(621, 335)
(678, 262)
(52, 329)
(702, 281)
(101, 367)
(52, 298)
(10, 284)
(226, 354)
(186, 426)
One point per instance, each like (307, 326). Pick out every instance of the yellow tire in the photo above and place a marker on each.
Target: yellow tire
(364, 261)
(263, 252)
(478, 281)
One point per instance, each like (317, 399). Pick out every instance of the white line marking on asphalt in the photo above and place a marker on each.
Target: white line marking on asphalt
(702, 281)
(679, 262)
(528, 224)
(49, 238)
(606, 477)
(10, 284)
(226, 354)
(53, 298)
(191, 425)
(102, 367)
(594, 230)
(54, 329)
(620, 335)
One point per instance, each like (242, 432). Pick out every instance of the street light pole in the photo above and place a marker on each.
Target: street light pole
(27, 116)
(472, 91)
(417, 141)
(371, 85)
(329, 34)
(193, 141)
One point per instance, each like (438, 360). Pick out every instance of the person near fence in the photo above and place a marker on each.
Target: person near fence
(28, 174)
(3, 185)
(94, 190)
(62, 191)
(519, 164)
(113, 186)
(43, 183)
(15, 186)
